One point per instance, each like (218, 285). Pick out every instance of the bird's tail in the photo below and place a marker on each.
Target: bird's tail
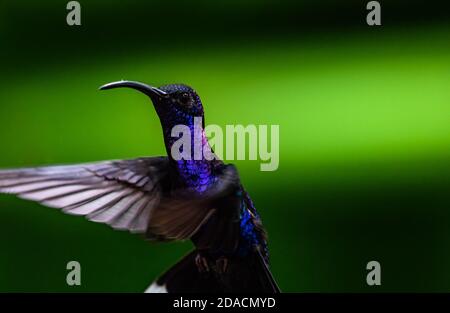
(249, 274)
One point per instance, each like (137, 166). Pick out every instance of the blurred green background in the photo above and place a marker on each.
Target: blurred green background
(364, 121)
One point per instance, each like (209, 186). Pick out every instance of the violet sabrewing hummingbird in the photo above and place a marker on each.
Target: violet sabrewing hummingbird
(166, 199)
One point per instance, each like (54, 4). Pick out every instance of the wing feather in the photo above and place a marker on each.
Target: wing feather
(118, 193)
(106, 199)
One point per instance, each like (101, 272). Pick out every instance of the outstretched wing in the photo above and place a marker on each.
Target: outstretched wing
(119, 193)
(131, 195)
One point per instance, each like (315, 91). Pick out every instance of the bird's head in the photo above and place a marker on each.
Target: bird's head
(174, 103)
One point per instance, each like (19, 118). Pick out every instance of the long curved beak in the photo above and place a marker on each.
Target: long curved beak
(150, 91)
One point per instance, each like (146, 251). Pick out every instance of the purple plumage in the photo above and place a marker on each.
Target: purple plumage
(200, 175)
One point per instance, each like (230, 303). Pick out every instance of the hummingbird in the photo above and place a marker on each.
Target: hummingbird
(165, 199)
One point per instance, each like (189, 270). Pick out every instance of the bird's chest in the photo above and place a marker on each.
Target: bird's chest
(196, 174)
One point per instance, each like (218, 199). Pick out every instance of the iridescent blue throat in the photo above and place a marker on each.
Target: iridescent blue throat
(195, 171)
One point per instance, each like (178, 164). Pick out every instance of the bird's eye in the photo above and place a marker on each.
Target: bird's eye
(185, 98)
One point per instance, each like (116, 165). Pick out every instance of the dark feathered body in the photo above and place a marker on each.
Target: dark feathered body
(200, 175)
